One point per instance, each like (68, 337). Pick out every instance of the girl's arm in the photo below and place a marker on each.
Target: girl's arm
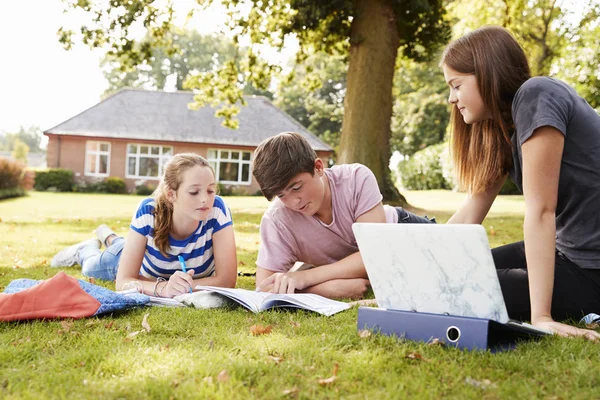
(542, 154)
(476, 206)
(225, 260)
(131, 262)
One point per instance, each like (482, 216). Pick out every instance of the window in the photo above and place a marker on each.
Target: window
(97, 158)
(146, 161)
(231, 166)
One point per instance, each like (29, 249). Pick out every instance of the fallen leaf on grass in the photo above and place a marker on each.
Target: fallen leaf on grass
(91, 280)
(415, 356)
(223, 376)
(109, 325)
(276, 358)
(364, 333)
(292, 391)
(436, 342)
(294, 324)
(492, 231)
(332, 378)
(483, 384)
(593, 325)
(258, 329)
(66, 327)
(145, 323)
(133, 334)
(26, 339)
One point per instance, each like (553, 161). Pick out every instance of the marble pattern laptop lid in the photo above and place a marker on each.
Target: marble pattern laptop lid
(434, 268)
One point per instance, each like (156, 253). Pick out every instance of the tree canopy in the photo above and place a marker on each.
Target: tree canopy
(369, 33)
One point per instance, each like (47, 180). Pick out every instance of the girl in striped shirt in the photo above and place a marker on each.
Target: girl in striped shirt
(184, 223)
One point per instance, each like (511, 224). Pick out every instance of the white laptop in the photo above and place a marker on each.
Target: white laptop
(433, 268)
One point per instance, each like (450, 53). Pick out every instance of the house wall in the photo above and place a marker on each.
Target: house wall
(69, 152)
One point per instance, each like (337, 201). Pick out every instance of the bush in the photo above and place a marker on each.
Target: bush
(11, 174)
(143, 189)
(431, 168)
(54, 179)
(224, 190)
(115, 185)
(510, 187)
(9, 193)
(426, 169)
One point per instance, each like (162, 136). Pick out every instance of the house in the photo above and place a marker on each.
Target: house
(132, 133)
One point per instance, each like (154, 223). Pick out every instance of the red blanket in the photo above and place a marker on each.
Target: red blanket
(60, 296)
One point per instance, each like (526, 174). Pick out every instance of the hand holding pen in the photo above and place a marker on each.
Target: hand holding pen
(183, 268)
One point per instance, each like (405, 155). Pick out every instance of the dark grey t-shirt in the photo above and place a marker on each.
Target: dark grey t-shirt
(543, 101)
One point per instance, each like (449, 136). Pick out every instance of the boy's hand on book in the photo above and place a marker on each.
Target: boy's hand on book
(179, 283)
(283, 282)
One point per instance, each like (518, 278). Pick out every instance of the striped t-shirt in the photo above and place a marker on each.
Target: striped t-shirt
(196, 250)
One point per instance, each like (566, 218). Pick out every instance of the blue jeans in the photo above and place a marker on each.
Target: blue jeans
(101, 264)
(406, 217)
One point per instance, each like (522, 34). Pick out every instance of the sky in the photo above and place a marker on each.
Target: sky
(43, 85)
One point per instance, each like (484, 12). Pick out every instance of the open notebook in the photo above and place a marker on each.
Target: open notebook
(260, 301)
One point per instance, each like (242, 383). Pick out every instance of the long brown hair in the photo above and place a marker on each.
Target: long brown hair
(482, 152)
(163, 208)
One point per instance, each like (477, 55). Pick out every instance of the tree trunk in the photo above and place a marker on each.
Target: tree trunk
(368, 102)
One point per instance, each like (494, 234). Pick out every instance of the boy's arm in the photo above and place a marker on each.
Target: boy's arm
(348, 268)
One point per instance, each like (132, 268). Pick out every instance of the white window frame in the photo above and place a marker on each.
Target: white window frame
(162, 159)
(97, 153)
(215, 161)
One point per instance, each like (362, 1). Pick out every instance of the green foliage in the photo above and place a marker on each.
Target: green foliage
(189, 51)
(510, 188)
(232, 190)
(580, 59)
(425, 169)
(421, 111)
(144, 189)
(20, 151)
(115, 185)
(32, 137)
(316, 98)
(54, 179)
(10, 193)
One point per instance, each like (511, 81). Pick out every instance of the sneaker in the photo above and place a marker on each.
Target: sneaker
(69, 256)
(103, 232)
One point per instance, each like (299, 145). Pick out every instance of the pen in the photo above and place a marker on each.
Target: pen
(182, 262)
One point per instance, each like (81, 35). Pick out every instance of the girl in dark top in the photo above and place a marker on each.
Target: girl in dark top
(547, 138)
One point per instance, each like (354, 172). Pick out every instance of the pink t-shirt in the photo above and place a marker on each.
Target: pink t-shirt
(288, 236)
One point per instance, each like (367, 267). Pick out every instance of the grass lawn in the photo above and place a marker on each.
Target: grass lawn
(193, 353)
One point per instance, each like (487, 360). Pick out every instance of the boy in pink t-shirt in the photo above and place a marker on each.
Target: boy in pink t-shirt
(311, 219)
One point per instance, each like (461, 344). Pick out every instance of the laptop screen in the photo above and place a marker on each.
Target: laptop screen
(434, 268)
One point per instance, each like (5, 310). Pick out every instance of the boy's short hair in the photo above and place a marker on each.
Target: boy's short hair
(279, 158)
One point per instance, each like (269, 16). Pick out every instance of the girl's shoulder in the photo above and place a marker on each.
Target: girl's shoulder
(220, 203)
(146, 206)
(543, 85)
